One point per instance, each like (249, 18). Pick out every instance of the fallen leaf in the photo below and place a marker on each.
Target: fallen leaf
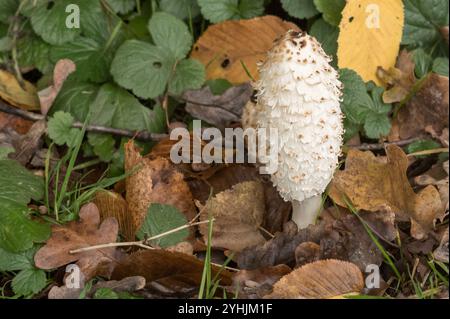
(15, 123)
(28, 144)
(225, 46)
(129, 284)
(322, 279)
(238, 215)
(154, 181)
(171, 270)
(374, 185)
(429, 107)
(63, 69)
(112, 204)
(441, 253)
(12, 92)
(79, 234)
(219, 110)
(306, 253)
(370, 36)
(399, 79)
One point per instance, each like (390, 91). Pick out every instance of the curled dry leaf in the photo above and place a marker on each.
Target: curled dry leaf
(154, 181)
(129, 284)
(28, 144)
(441, 253)
(79, 234)
(226, 46)
(306, 253)
(322, 279)
(112, 204)
(63, 69)
(13, 93)
(219, 110)
(171, 270)
(371, 184)
(238, 215)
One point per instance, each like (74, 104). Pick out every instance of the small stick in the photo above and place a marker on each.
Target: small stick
(430, 152)
(381, 146)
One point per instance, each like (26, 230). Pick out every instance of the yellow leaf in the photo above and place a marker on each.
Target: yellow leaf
(225, 47)
(11, 91)
(370, 35)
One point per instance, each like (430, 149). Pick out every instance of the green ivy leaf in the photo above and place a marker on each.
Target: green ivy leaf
(182, 9)
(29, 282)
(160, 219)
(170, 33)
(331, 10)
(189, 75)
(220, 10)
(327, 35)
(301, 9)
(7, 9)
(143, 68)
(122, 6)
(422, 22)
(440, 66)
(17, 188)
(60, 129)
(423, 63)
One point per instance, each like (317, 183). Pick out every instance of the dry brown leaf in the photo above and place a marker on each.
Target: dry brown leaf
(112, 204)
(79, 234)
(219, 110)
(429, 107)
(441, 253)
(168, 269)
(154, 181)
(322, 279)
(28, 144)
(374, 185)
(238, 215)
(225, 46)
(11, 91)
(63, 69)
(15, 123)
(306, 253)
(400, 79)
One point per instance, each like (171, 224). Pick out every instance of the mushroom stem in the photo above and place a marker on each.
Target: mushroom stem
(305, 213)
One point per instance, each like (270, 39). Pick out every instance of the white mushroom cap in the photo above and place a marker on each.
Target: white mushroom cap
(300, 94)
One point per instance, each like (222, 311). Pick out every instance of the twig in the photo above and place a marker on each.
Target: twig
(429, 152)
(381, 146)
(140, 135)
(141, 243)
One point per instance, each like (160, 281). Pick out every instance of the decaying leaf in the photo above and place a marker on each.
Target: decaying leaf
(12, 92)
(112, 204)
(79, 234)
(171, 270)
(154, 181)
(306, 253)
(399, 80)
(441, 253)
(63, 69)
(14, 123)
(219, 110)
(371, 184)
(226, 46)
(129, 284)
(370, 35)
(429, 107)
(322, 279)
(238, 214)
(28, 144)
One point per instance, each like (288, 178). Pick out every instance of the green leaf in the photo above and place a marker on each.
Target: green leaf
(440, 66)
(105, 293)
(351, 129)
(220, 10)
(34, 52)
(5, 151)
(143, 68)
(122, 6)
(377, 125)
(182, 9)
(423, 63)
(170, 33)
(16, 261)
(218, 86)
(423, 20)
(29, 282)
(331, 10)
(160, 219)
(60, 129)
(189, 75)
(103, 145)
(7, 9)
(17, 188)
(327, 35)
(422, 145)
(301, 9)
